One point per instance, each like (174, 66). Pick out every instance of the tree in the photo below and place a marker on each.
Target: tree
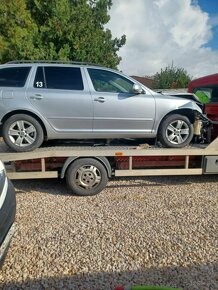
(17, 31)
(62, 30)
(171, 78)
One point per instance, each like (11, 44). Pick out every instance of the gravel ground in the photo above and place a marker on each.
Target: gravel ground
(155, 230)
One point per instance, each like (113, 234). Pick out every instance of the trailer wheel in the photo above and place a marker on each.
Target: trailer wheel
(22, 133)
(86, 176)
(176, 131)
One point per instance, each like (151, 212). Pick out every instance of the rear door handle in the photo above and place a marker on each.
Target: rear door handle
(36, 97)
(100, 99)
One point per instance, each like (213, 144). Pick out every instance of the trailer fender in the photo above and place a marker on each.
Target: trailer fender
(103, 160)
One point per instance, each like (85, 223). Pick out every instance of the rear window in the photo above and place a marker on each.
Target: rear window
(14, 76)
(62, 78)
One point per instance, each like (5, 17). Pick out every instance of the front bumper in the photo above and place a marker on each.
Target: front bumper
(5, 245)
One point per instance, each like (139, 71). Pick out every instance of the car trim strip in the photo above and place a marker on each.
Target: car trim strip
(4, 192)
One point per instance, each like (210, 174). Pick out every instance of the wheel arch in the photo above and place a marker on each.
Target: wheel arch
(189, 113)
(16, 112)
(104, 161)
(177, 138)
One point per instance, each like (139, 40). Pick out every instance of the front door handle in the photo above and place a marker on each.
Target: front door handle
(100, 99)
(36, 97)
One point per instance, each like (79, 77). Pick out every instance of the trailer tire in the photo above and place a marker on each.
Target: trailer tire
(22, 133)
(86, 176)
(176, 131)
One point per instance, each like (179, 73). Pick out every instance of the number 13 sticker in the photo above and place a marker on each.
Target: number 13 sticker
(39, 84)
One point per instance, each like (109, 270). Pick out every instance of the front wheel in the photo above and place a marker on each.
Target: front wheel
(176, 131)
(86, 176)
(22, 133)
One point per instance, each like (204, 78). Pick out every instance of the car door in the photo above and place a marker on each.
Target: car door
(117, 109)
(61, 96)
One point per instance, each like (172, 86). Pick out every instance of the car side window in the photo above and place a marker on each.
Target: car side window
(63, 78)
(106, 81)
(14, 76)
(39, 81)
(214, 95)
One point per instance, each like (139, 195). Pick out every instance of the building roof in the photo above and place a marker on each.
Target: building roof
(146, 81)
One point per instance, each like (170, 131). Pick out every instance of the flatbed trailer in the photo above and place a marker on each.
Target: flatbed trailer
(88, 168)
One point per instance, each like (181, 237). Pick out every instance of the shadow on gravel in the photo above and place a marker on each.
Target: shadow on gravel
(58, 186)
(50, 186)
(152, 181)
(196, 277)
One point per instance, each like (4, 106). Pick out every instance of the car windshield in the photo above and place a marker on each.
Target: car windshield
(207, 94)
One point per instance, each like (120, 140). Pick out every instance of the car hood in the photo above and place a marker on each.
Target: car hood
(178, 102)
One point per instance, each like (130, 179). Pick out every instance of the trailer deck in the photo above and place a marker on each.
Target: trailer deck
(203, 153)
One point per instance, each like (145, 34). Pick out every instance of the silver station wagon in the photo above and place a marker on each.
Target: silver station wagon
(42, 101)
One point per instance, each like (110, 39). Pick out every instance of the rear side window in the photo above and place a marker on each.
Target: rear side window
(14, 76)
(62, 78)
(39, 81)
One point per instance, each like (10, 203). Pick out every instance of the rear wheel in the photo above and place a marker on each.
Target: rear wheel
(22, 133)
(176, 131)
(86, 176)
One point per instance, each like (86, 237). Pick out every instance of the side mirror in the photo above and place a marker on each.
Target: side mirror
(137, 89)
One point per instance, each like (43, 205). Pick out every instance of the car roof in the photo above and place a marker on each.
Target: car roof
(203, 81)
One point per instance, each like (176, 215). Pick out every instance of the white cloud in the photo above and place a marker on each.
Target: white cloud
(160, 32)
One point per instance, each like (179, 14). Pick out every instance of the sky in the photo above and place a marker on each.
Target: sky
(162, 32)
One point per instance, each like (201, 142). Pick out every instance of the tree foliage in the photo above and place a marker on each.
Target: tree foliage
(17, 31)
(171, 78)
(58, 30)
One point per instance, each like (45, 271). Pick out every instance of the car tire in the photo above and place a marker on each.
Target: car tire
(22, 133)
(175, 131)
(86, 176)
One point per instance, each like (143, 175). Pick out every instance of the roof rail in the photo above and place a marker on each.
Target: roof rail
(52, 61)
